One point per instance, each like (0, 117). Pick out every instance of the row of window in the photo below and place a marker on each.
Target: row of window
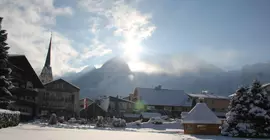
(56, 105)
(21, 109)
(58, 97)
(25, 98)
(28, 85)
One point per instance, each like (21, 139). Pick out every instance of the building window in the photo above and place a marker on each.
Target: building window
(212, 102)
(213, 109)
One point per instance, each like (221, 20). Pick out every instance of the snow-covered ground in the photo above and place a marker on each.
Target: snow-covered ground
(166, 127)
(36, 132)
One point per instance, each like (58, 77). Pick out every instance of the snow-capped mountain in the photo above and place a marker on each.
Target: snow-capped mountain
(115, 78)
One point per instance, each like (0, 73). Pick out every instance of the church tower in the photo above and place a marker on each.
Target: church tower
(46, 73)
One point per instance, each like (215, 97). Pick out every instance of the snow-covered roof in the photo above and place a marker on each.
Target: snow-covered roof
(265, 85)
(121, 99)
(148, 115)
(163, 97)
(232, 95)
(9, 111)
(201, 114)
(208, 95)
(184, 114)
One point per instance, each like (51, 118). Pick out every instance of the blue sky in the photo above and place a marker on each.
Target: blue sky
(226, 33)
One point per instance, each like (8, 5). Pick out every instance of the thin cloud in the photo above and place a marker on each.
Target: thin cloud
(28, 25)
(99, 49)
(119, 20)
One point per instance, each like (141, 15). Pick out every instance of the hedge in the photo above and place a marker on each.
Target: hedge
(9, 118)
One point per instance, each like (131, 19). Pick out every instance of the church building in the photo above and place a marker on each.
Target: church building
(58, 96)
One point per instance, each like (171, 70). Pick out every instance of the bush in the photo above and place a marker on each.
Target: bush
(61, 119)
(82, 121)
(9, 118)
(100, 122)
(138, 123)
(53, 119)
(118, 122)
(156, 120)
(72, 120)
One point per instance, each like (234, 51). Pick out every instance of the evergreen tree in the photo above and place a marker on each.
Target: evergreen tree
(248, 114)
(5, 83)
(260, 106)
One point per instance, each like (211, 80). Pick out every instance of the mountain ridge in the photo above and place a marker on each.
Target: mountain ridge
(115, 78)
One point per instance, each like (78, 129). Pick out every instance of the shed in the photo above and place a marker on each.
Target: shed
(201, 120)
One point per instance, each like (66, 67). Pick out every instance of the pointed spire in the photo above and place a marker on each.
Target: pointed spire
(48, 58)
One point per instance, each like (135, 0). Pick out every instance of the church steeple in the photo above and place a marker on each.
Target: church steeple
(48, 58)
(46, 73)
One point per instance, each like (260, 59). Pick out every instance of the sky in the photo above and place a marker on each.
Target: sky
(146, 33)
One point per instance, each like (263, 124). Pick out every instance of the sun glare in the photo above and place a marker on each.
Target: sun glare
(132, 50)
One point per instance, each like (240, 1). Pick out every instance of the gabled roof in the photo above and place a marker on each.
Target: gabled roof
(93, 103)
(208, 95)
(21, 62)
(60, 79)
(116, 98)
(201, 114)
(265, 85)
(164, 97)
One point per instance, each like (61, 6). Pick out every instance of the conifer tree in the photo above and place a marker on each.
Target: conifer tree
(5, 83)
(248, 113)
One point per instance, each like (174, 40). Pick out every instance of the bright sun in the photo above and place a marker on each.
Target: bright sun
(132, 50)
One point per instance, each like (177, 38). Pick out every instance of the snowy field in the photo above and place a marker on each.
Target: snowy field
(166, 127)
(36, 132)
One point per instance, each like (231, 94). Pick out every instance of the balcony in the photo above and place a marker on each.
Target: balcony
(23, 91)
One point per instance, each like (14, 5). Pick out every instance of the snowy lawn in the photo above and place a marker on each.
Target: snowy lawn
(167, 127)
(35, 132)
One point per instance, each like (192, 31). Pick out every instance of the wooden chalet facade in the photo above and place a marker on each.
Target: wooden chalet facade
(59, 97)
(26, 83)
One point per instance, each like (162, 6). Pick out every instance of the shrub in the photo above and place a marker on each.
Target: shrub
(156, 120)
(61, 119)
(118, 122)
(82, 121)
(72, 120)
(100, 122)
(53, 119)
(138, 123)
(9, 118)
